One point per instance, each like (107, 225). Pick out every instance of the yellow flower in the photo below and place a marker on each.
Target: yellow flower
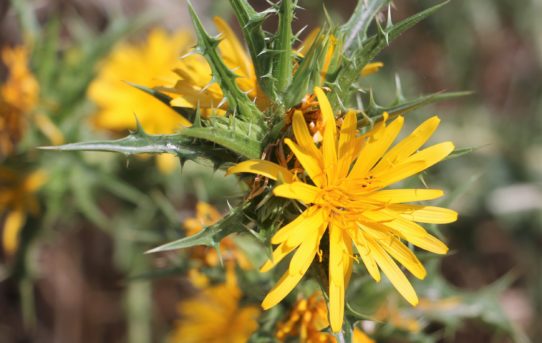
(17, 199)
(207, 215)
(346, 203)
(18, 96)
(307, 321)
(148, 64)
(214, 316)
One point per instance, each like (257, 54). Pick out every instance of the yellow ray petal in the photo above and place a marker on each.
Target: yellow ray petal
(297, 190)
(329, 148)
(405, 256)
(400, 172)
(375, 148)
(428, 243)
(394, 196)
(327, 111)
(312, 217)
(365, 254)
(336, 278)
(264, 168)
(405, 227)
(425, 214)
(302, 135)
(413, 233)
(433, 154)
(281, 289)
(311, 163)
(346, 146)
(278, 254)
(304, 255)
(408, 145)
(394, 274)
(416, 163)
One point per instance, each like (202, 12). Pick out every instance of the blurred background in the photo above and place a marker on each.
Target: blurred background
(78, 272)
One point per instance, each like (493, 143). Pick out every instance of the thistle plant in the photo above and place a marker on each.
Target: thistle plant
(314, 149)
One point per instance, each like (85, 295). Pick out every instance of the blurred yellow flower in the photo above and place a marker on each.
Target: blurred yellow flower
(214, 316)
(149, 64)
(18, 96)
(207, 215)
(346, 201)
(17, 200)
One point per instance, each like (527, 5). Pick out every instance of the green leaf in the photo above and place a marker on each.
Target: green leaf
(251, 26)
(282, 47)
(208, 47)
(141, 143)
(354, 31)
(211, 235)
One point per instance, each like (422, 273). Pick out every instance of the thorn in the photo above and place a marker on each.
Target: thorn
(222, 102)
(191, 52)
(382, 32)
(399, 89)
(298, 34)
(389, 23)
(139, 128)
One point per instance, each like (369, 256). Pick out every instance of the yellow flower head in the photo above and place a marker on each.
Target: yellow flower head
(17, 199)
(214, 316)
(208, 215)
(18, 96)
(148, 64)
(346, 201)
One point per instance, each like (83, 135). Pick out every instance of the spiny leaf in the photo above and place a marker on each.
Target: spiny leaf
(375, 110)
(282, 44)
(237, 100)
(211, 235)
(142, 143)
(251, 26)
(355, 29)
